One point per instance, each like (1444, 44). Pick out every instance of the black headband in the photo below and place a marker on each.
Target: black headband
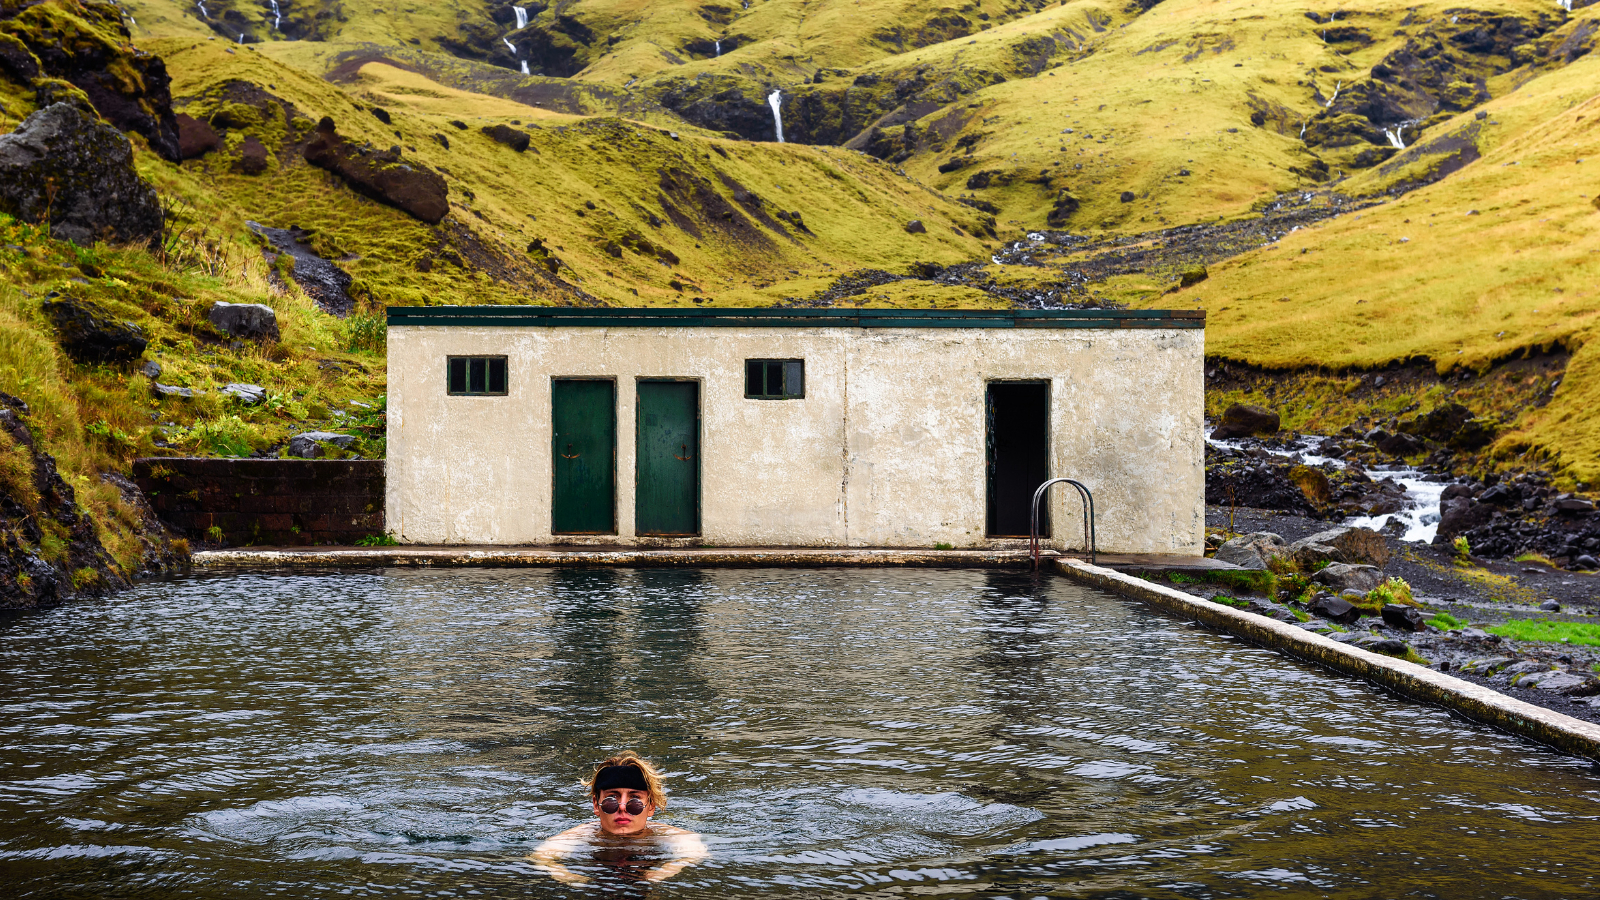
(620, 777)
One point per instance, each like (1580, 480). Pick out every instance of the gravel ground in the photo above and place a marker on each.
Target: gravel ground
(1484, 593)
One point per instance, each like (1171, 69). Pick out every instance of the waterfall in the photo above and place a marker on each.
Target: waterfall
(719, 48)
(1336, 86)
(1395, 137)
(522, 17)
(202, 5)
(775, 100)
(525, 68)
(241, 37)
(1566, 5)
(509, 46)
(277, 16)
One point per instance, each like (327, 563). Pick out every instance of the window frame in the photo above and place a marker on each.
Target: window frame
(766, 361)
(449, 361)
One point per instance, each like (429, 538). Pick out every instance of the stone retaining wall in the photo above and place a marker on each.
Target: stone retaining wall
(272, 502)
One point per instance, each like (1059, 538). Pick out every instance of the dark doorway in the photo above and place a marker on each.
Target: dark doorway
(1019, 454)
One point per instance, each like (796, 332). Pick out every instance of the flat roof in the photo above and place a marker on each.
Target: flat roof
(727, 317)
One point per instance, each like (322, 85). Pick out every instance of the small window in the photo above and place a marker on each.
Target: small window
(477, 375)
(774, 379)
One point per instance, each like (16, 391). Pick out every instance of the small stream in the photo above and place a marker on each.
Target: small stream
(887, 733)
(1421, 520)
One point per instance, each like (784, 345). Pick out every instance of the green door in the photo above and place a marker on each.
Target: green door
(667, 496)
(584, 451)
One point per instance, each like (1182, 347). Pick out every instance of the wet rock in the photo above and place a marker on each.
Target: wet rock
(247, 321)
(514, 138)
(1401, 445)
(97, 194)
(248, 394)
(915, 226)
(308, 445)
(89, 334)
(1244, 419)
(322, 281)
(1453, 425)
(1389, 647)
(1550, 606)
(381, 175)
(1252, 551)
(1344, 544)
(252, 157)
(1406, 618)
(167, 390)
(1574, 506)
(1334, 609)
(1459, 515)
(151, 369)
(1487, 665)
(1345, 577)
(196, 138)
(1567, 684)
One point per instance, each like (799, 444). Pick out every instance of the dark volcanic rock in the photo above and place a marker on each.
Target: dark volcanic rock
(1341, 577)
(915, 226)
(252, 157)
(380, 174)
(129, 87)
(322, 281)
(80, 171)
(245, 320)
(309, 444)
(195, 137)
(516, 139)
(16, 61)
(1453, 425)
(1333, 609)
(1242, 419)
(1404, 617)
(89, 334)
(34, 494)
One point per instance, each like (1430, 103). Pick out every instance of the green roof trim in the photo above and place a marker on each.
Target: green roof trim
(725, 317)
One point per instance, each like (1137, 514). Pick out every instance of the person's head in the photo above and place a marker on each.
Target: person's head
(625, 791)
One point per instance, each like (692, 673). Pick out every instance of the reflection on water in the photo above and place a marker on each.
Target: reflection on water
(829, 732)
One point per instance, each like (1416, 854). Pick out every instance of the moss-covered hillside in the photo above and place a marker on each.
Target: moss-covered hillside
(1369, 184)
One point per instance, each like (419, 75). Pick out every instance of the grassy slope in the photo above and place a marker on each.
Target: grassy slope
(1421, 277)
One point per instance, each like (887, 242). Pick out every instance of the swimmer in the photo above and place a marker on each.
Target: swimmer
(625, 792)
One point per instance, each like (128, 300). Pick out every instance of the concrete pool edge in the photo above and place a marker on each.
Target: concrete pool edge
(1479, 704)
(511, 557)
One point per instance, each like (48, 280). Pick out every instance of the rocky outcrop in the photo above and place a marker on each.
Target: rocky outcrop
(90, 334)
(49, 548)
(309, 445)
(1450, 424)
(1340, 577)
(1245, 419)
(1253, 551)
(87, 44)
(514, 138)
(253, 158)
(1254, 477)
(247, 321)
(63, 165)
(380, 174)
(195, 137)
(1344, 544)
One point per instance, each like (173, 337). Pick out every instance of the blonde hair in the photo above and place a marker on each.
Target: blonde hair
(652, 778)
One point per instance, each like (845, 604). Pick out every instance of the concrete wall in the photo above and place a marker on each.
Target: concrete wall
(886, 449)
(266, 502)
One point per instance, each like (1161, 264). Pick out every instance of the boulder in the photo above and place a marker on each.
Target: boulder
(252, 157)
(308, 445)
(151, 369)
(514, 138)
(1344, 577)
(915, 226)
(89, 334)
(1406, 618)
(248, 394)
(1568, 684)
(247, 321)
(380, 174)
(81, 171)
(1252, 551)
(1334, 609)
(1243, 419)
(1401, 445)
(1451, 424)
(1344, 544)
(167, 390)
(1389, 647)
(196, 138)
(1460, 515)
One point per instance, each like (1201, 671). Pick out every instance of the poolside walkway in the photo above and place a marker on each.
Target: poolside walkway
(496, 556)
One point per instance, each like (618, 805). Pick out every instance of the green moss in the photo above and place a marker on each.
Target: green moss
(1546, 631)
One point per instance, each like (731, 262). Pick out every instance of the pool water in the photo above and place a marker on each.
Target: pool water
(876, 733)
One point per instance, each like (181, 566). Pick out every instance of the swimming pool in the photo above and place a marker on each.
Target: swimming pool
(830, 732)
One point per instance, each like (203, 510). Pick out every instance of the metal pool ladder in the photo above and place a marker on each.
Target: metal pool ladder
(1088, 516)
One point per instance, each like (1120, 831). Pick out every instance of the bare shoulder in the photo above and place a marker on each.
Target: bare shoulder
(679, 840)
(670, 831)
(571, 839)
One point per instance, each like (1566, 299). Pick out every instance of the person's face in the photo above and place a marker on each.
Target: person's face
(621, 820)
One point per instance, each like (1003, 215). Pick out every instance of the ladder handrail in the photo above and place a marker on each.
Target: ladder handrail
(1088, 517)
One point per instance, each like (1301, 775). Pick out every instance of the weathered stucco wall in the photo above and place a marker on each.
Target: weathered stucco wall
(886, 449)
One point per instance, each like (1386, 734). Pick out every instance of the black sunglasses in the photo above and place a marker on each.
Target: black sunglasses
(610, 805)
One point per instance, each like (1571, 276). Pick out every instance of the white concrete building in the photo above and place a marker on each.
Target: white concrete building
(807, 428)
